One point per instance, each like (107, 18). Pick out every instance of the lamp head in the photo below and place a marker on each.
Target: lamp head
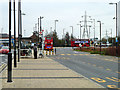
(111, 3)
(56, 20)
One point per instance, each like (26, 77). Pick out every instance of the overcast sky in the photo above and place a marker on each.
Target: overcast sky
(68, 12)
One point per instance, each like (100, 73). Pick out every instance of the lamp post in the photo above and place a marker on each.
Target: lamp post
(63, 32)
(80, 29)
(55, 25)
(100, 35)
(19, 28)
(72, 31)
(94, 32)
(38, 31)
(116, 29)
(9, 54)
(41, 42)
(89, 31)
(19, 31)
(15, 64)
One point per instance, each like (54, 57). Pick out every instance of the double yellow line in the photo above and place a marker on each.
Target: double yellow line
(2, 67)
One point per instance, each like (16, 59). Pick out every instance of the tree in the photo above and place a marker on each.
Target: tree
(55, 39)
(67, 37)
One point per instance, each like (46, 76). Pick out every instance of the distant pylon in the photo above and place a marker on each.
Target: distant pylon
(85, 30)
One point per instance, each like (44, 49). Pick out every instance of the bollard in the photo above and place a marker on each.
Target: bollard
(49, 52)
(9, 67)
(46, 52)
(35, 52)
(52, 52)
(55, 51)
(43, 52)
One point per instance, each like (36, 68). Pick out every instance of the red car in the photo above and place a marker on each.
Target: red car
(4, 50)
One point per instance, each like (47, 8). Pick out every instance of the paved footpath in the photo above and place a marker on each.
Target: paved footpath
(45, 73)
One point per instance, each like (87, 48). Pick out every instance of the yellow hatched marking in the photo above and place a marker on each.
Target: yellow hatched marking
(111, 86)
(2, 65)
(113, 79)
(98, 80)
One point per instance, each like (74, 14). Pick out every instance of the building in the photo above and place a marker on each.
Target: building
(4, 39)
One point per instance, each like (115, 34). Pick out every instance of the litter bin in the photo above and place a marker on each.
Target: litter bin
(35, 52)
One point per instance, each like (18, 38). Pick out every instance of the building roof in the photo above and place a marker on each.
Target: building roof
(4, 35)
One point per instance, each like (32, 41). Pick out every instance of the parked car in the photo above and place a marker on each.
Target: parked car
(4, 50)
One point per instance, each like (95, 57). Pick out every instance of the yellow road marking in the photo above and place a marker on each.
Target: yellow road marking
(98, 79)
(75, 54)
(68, 54)
(110, 60)
(100, 67)
(2, 65)
(108, 69)
(62, 54)
(113, 79)
(117, 72)
(89, 63)
(86, 54)
(94, 65)
(111, 86)
(80, 54)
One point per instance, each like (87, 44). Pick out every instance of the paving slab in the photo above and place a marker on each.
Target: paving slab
(45, 73)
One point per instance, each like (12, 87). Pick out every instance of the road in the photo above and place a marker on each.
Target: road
(3, 60)
(100, 69)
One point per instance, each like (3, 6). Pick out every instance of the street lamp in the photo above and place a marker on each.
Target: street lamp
(38, 31)
(9, 54)
(19, 28)
(55, 25)
(89, 31)
(80, 29)
(41, 42)
(15, 64)
(94, 32)
(72, 31)
(100, 35)
(116, 29)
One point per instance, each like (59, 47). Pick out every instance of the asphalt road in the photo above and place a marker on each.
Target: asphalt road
(98, 68)
(3, 60)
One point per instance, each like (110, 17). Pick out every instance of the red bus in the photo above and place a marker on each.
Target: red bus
(83, 42)
(48, 43)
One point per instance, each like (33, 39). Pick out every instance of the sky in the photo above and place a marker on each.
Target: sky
(67, 12)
